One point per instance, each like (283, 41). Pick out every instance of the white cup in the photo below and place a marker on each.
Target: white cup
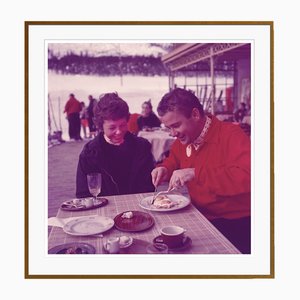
(173, 236)
(113, 245)
(89, 202)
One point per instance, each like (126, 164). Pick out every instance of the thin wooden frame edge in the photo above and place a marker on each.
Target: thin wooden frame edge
(26, 145)
(136, 276)
(151, 23)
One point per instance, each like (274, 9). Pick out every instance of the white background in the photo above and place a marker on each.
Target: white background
(285, 20)
(256, 263)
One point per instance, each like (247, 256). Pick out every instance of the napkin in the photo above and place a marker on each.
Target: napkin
(60, 222)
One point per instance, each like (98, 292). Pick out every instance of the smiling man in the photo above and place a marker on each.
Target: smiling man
(213, 159)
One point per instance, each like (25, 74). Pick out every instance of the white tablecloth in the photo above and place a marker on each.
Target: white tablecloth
(160, 140)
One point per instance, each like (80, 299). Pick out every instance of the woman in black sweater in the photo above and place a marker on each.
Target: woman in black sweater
(124, 160)
(148, 118)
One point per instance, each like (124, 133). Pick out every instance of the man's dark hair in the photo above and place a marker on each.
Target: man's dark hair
(110, 107)
(179, 100)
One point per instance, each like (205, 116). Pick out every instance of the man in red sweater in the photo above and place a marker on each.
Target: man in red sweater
(213, 159)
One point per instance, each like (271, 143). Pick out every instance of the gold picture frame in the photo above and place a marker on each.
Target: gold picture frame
(36, 32)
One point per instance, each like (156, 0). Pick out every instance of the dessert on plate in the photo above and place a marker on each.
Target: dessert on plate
(163, 201)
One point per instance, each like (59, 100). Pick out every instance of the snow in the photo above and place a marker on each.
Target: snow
(133, 89)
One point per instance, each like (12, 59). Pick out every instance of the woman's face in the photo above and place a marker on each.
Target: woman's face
(146, 110)
(115, 130)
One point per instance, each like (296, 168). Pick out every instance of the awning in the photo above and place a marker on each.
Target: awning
(189, 54)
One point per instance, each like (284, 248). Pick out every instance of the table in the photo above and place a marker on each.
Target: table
(160, 140)
(206, 239)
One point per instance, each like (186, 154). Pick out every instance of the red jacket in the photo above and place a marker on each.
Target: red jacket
(72, 106)
(222, 184)
(132, 123)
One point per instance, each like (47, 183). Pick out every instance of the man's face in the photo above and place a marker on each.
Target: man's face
(115, 130)
(181, 127)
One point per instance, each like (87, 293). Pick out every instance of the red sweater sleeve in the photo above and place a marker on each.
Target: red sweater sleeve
(232, 174)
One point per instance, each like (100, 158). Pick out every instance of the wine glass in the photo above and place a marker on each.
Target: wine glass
(94, 181)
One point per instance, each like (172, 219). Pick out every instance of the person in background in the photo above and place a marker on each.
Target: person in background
(132, 123)
(72, 109)
(148, 118)
(124, 160)
(212, 158)
(219, 107)
(84, 118)
(240, 113)
(90, 113)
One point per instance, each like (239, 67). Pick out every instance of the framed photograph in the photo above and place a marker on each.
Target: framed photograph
(224, 64)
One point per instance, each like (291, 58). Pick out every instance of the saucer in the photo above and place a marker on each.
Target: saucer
(186, 243)
(73, 248)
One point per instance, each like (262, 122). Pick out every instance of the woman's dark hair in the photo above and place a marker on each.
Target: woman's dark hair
(110, 107)
(179, 100)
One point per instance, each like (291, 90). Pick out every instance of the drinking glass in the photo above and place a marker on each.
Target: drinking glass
(94, 181)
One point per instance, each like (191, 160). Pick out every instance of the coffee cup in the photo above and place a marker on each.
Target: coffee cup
(173, 236)
(113, 245)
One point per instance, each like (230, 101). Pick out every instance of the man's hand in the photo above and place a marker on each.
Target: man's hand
(158, 175)
(181, 177)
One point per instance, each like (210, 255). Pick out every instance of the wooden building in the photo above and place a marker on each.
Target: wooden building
(211, 61)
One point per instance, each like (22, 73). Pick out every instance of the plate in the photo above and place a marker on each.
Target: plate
(79, 204)
(88, 225)
(138, 222)
(186, 243)
(73, 248)
(180, 202)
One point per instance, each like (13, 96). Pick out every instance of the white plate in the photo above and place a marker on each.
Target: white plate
(180, 200)
(88, 225)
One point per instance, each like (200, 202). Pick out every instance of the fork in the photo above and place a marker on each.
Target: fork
(161, 192)
(154, 195)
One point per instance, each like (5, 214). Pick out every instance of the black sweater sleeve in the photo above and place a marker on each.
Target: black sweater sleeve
(82, 189)
(142, 167)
